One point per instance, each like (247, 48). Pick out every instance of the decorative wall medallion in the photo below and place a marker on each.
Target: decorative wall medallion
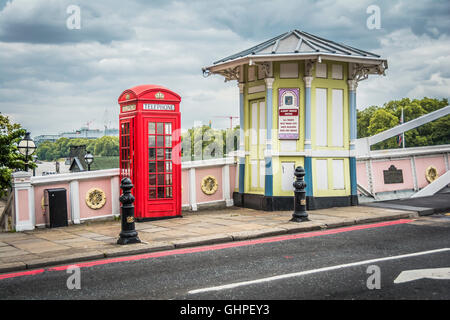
(209, 185)
(95, 198)
(431, 174)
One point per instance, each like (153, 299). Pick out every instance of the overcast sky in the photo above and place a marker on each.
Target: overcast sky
(55, 79)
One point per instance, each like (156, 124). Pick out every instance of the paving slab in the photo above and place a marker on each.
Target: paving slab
(12, 253)
(153, 229)
(39, 246)
(7, 248)
(10, 236)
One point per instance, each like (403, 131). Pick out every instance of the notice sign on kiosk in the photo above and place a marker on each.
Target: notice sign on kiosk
(288, 114)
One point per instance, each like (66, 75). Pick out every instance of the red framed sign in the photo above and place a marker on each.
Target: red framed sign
(150, 150)
(288, 113)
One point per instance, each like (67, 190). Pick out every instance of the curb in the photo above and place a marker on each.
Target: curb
(421, 211)
(142, 248)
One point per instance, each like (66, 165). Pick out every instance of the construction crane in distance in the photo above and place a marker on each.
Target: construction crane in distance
(88, 123)
(229, 117)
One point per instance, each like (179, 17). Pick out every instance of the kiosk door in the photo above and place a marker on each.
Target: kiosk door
(161, 180)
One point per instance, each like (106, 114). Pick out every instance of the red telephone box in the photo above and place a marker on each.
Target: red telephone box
(150, 149)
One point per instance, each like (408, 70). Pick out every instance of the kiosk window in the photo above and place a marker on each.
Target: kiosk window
(160, 160)
(125, 151)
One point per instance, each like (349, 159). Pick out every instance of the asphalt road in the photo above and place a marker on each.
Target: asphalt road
(326, 266)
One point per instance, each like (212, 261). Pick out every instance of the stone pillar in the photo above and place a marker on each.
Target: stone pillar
(241, 139)
(352, 85)
(192, 190)
(308, 159)
(24, 216)
(308, 81)
(268, 183)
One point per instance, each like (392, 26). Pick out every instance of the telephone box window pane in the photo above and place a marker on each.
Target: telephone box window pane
(168, 166)
(151, 141)
(152, 154)
(152, 167)
(169, 192)
(160, 141)
(168, 141)
(168, 128)
(160, 166)
(160, 192)
(152, 193)
(151, 128)
(160, 154)
(168, 179)
(160, 128)
(168, 154)
(152, 179)
(160, 179)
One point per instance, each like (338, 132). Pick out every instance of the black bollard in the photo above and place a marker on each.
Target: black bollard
(300, 213)
(128, 234)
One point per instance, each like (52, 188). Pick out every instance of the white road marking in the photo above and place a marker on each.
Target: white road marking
(411, 275)
(302, 273)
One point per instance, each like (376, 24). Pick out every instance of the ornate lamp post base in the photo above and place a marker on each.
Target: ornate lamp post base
(300, 214)
(128, 238)
(128, 235)
(299, 218)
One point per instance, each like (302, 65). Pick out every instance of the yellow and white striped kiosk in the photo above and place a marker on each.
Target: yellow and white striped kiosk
(297, 107)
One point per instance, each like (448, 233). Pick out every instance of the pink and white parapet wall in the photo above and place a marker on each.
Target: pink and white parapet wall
(28, 191)
(413, 162)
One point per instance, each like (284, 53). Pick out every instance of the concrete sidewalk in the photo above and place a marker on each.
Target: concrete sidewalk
(97, 240)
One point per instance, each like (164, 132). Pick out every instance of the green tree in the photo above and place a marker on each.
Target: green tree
(10, 158)
(106, 146)
(364, 117)
(205, 143)
(374, 119)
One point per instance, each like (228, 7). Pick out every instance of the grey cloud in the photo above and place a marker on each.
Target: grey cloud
(45, 22)
(53, 80)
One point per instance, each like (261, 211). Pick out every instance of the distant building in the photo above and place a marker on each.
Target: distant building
(83, 132)
(46, 137)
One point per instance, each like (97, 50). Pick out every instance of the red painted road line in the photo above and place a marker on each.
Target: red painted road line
(20, 274)
(210, 248)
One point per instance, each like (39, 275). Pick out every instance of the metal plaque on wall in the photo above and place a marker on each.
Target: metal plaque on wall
(393, 175)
